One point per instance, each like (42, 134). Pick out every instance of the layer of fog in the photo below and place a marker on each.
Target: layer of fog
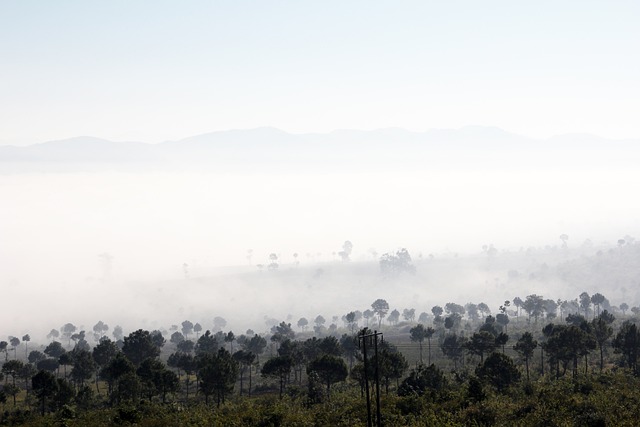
(112, 246)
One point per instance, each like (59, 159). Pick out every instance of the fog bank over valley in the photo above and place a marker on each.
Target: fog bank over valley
(151, 236)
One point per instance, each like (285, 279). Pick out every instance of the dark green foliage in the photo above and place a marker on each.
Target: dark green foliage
(114, 372)
(475, 391)
(418, 334)
(330, 369)
(453, 347)
(36, 356)
(567, 344)
(602, 331)
(44, 386)
(54, 350)
(279, 368)
(423, 379)
(156, 380)
(217, 373)
(207, 344)
(49, 365)
(186, 346)
(140, 345)
(64, 394)
(503, 320)
(83, 366)
(127, 389)
(392, 364)
(499, 370)
(627, 342)
(282, 332)
(104, 352)
(525, 347)
(256, 345)
(481, 343)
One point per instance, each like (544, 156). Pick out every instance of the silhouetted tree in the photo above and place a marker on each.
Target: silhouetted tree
(282, 332)
(3, 347)
(472, 311)
(602, 331)
(176, 338)
(186, 346)
(53, 334)
(480, 343)
(273, 262)
(25, 339)
(302, 323)
(453, 347)
(245, 361)
(35, 356)
(156, 379)
(117, 333)
(534, 306)
(83, 367)
(54, 349)
(525, 347)
(394, 316)
(453, 308)
(345, 253)
(207, 343)
(256, 345)
(585, 303)
(392, 265)
(597, 299)
(44, 385)
(380, 307)
(139, 346)
(319, 320)
(330, 369)
(117, 374)
(197, 328)
(15, 342)
(517, 301)
(627, 342)
(351, 320)
(230, 338)
(50, 365)
(103, 354)
(423, 318)
(367, 314)
(67, 331)
(499, 370)
(219, 323)
(279, 368)
(418, 334)
(422, 380)
(217, 374)
(409, 314)
(99, 330)
(12, 368)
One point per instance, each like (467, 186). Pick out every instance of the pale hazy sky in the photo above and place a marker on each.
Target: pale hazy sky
(158, 70)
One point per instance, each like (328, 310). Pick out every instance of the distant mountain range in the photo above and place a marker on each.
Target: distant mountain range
(273, 149)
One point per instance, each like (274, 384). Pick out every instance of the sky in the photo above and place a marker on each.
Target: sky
(162, 70)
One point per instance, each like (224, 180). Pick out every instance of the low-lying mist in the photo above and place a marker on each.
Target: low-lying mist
(152, 249)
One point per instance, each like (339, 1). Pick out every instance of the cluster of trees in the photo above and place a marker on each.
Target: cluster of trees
(158, 366)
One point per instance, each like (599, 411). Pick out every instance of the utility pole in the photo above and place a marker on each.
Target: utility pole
(375, 344)
(364, 337)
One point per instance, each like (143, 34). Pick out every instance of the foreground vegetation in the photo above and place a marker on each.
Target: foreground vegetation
(609, 399)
